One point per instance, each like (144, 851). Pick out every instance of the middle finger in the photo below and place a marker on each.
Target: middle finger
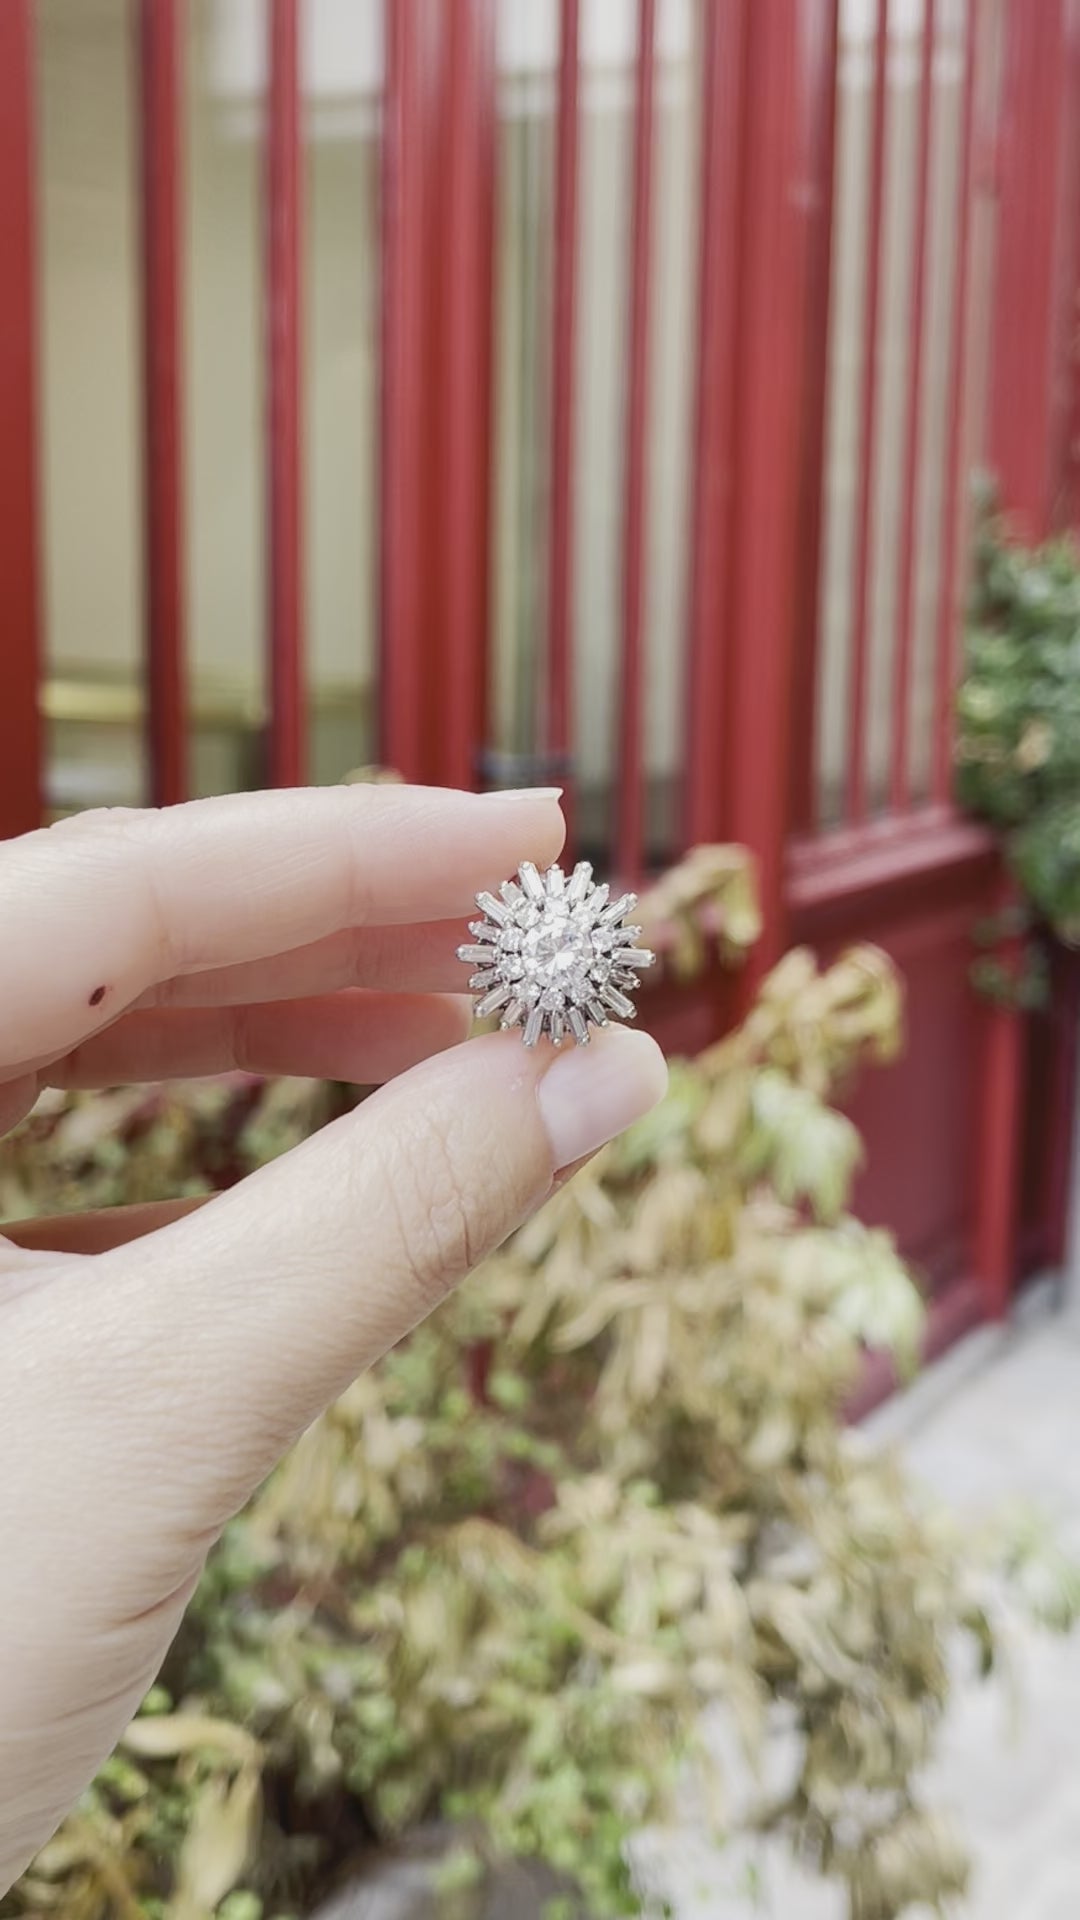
(407, 959)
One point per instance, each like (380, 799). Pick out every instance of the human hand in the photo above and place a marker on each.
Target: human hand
(156, 1361)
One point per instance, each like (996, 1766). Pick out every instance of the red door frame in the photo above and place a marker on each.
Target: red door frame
(161, 95)
(1032, 348)
(782, 80)
(438, 199)
(287, 734)
(883, 875)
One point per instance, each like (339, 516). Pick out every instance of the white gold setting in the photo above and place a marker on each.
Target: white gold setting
(553, 955)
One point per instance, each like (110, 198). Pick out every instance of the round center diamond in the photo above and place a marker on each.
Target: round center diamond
(558, 953)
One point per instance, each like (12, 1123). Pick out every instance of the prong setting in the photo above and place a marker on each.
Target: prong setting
(555, 955)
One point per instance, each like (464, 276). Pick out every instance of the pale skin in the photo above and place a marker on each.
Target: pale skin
(156, 1362)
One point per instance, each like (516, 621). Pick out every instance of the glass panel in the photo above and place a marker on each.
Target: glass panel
(343, 80)
(527, 52)
(92, 451)
(942, 241)
(224, 399)
(841, 479)
(341, 74)
(528, 56)
(990, 62)
(91, 424)
(676, 183)
(608, 30)
(893, 374)
(854, 120)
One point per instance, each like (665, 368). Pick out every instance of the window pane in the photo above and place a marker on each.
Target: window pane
(91, 448)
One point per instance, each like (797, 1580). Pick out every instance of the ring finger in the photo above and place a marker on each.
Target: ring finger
(362, 1037)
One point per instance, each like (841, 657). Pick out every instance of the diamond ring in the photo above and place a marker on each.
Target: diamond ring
(554, 955)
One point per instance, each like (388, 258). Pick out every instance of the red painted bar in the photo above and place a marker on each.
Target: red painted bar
(401, 689)
(630, 823)
(560, 578)
(954, 509)
(21, 780)
(1060, 1096)
(287, 739)
(400, 617)
(1068, 409)
(1026, 346)
(704, 800)
(998, 1140)
(160, 96)
(460, 349)
(486, 148)
(904, 650)
(1025, 351)
(821, 27)
(857, 799)
(770, 416)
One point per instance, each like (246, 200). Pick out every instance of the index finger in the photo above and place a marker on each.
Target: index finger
(101, 907)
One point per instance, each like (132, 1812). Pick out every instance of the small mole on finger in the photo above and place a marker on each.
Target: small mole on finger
(98, 996)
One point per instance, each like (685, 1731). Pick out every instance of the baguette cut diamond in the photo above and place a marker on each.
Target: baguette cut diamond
(564, 948)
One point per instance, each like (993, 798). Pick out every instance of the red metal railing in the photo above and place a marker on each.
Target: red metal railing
(946, 648)
(760, 401)
(629, 839)
(287, 739)
(403, 696)
(1029, 260)
(705, 803)
(778, 139)
(760, 408)
(460, 349)
(857, 796)
(823, 49)
(161, 92)
(20, 597)
(1026, 285)
(437, 243)
(559, 717)
(904, 649)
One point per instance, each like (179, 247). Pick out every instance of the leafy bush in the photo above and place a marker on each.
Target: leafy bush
(1018, 747)
(609, 1485)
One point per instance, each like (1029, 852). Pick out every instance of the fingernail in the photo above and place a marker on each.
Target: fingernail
(590, 1094)
(523, 793)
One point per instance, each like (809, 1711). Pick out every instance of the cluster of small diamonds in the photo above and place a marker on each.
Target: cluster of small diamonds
(554, 956)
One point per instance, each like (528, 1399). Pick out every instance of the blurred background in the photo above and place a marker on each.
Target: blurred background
(517, 389)
(601, 392)
(594, 303)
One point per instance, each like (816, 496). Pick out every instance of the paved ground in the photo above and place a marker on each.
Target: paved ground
(1000, 1418)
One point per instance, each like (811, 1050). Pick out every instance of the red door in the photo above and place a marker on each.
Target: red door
(955, 266)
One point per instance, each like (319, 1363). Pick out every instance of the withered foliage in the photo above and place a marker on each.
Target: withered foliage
(608, 1487)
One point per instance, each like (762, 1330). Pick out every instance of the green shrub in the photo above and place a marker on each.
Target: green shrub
(1018, 744)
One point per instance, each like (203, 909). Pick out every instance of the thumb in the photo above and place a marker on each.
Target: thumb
(258, 1310)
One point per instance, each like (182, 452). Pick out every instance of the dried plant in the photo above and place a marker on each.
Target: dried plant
(707, 898)
(609, 1486)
